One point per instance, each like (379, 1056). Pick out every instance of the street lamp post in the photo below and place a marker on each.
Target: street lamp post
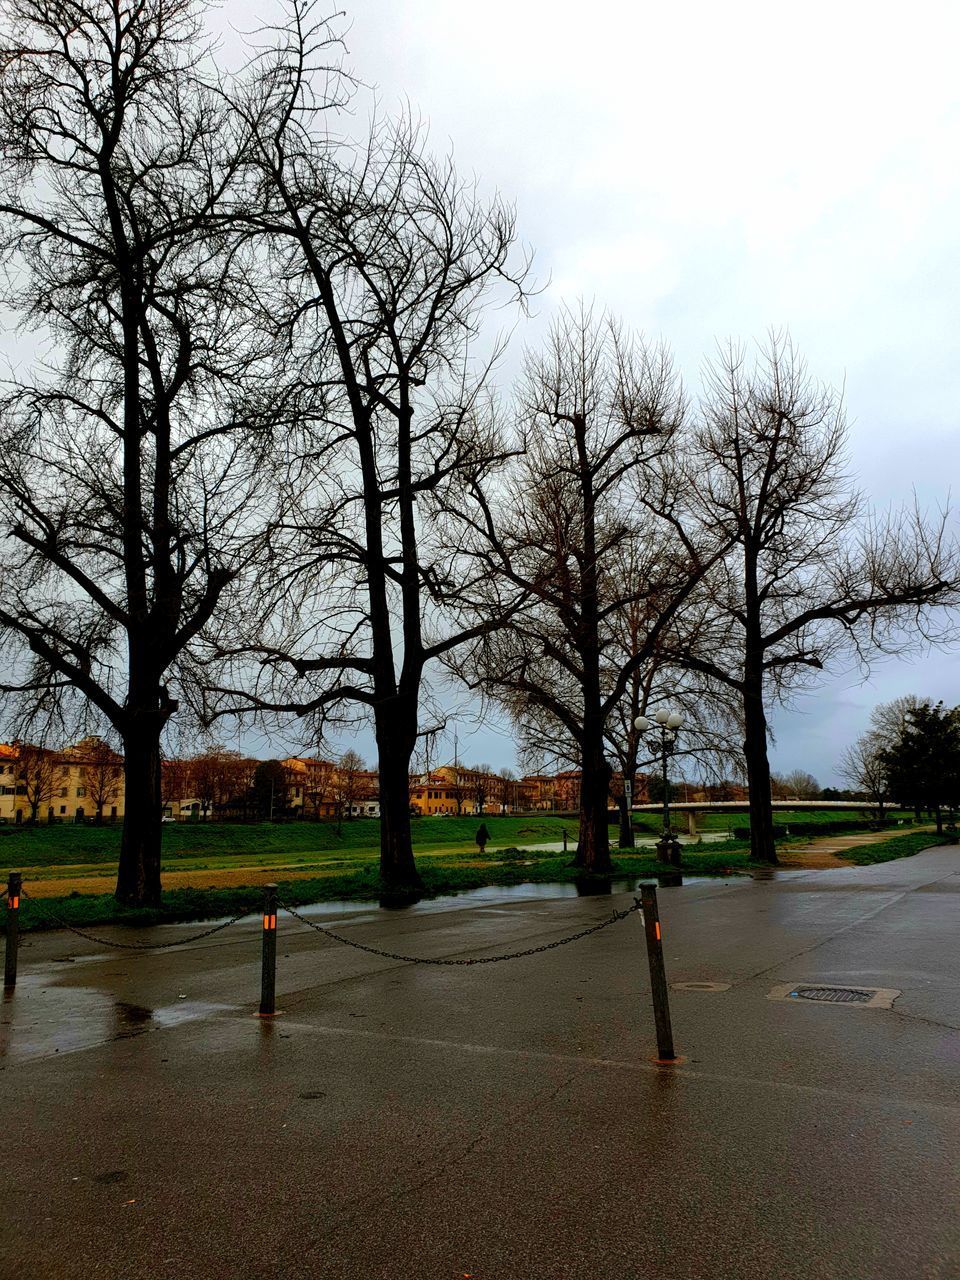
(662, 732)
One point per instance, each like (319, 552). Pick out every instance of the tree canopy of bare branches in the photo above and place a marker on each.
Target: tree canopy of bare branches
(386, 258)
(813, 572)
(128, 460)
(591, 532)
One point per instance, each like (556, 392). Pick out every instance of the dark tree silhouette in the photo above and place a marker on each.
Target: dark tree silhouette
(126, 464)
(923, 766)
(36, 774)
(594, 489)
(813, 572)
(101, 771)
(387, 257)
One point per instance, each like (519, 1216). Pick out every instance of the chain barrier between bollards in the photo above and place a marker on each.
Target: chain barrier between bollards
(647, 902)
(14, 889)
(513, 955)
(52, 918)
(268, 959)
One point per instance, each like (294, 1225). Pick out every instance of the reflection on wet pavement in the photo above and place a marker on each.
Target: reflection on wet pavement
(589, 887)
(40, 1019)
(777, 873)
(359, 911)
(132, 1019)
(57, 1008)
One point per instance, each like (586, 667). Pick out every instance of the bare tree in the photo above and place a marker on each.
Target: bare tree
(318, 785)
(126, 467)
(482, 777)
(800, 785)
(387, 257)
(600, 418)
(709, 736)
(176, 780)
(101, 772)
(36, 774)
(889, 720)
(813, 573)
(218, 776)
(457, 785)
(346, 784)
(863, 766)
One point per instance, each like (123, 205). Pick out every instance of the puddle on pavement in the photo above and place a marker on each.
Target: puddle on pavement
(776, 873)
(132, 1019)
(498, 895)
(39, 1020)
(42, 1018)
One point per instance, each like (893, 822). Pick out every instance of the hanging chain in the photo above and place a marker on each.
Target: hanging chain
(514, 955)
(53, 918)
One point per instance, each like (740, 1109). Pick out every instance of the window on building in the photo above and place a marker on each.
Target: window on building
(64, 791)
(63, 808)
(81, 792)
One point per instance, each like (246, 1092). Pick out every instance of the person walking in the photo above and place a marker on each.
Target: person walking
(483, 835)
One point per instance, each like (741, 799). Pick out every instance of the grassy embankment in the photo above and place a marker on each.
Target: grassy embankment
(343, 867)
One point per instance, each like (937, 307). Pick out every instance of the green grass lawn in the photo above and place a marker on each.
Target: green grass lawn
(440, 876)
(210, 845)
(854, 819)
(202, 845)
(898, 847)
(358, 881)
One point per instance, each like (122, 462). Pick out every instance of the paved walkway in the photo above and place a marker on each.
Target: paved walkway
(828, 851)
(502, 1122)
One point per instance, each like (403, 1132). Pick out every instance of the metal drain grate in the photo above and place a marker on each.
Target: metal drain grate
(832, 995)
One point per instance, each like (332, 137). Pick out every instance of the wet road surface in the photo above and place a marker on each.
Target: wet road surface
(504, 1121)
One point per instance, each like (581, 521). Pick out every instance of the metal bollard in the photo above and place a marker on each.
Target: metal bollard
(12, 931)
(268, 969)
(658, 974)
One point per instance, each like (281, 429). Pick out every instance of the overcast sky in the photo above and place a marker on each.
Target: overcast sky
(710, 170)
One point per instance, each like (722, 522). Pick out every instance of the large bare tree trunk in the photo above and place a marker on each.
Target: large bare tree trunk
(593, 848)
(395, 742)
(762, 846)
(138, 877)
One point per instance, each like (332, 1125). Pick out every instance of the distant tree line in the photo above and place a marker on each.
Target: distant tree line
(909, 756)
(264, 471)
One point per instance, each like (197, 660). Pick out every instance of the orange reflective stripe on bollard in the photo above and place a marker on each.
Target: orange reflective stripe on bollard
(12, 931)
(268, 966)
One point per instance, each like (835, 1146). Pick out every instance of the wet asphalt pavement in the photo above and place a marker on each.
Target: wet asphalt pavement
(502, 1121)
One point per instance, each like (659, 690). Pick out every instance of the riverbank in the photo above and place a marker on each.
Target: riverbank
(205, 894)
